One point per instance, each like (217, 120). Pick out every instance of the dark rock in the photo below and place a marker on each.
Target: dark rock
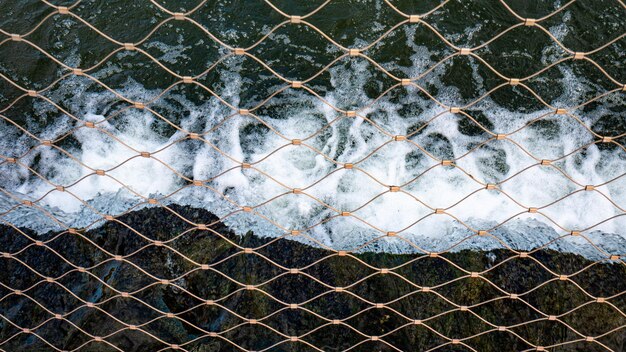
(571, 301)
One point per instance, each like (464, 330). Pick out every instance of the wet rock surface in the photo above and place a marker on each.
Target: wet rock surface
(215, 299)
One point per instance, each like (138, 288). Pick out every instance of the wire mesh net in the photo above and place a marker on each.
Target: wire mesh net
(148, 267)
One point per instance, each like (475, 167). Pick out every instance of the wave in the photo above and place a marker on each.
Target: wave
(317, 167)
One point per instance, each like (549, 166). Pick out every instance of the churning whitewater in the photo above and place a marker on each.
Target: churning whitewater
(329, 141)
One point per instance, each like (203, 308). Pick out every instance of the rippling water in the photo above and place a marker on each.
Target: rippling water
(297, 52)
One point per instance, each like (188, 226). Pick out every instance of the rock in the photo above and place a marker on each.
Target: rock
(502, 273)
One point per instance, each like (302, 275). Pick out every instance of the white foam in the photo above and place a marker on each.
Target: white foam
(348, 140)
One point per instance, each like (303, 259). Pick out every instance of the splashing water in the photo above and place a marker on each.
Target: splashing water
(330, 140)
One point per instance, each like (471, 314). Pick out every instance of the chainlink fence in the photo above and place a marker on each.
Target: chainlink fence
(157, 275)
